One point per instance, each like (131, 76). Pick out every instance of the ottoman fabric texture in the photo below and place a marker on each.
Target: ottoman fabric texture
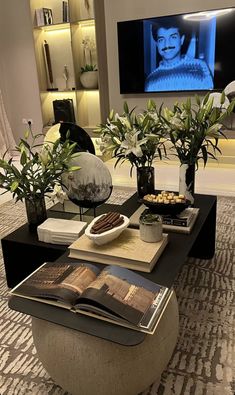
(85, 365)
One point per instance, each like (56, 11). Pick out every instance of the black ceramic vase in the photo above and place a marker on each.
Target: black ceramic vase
(187, 181)
(36, 212)
(145, 180)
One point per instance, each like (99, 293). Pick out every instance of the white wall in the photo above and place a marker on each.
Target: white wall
(123, 10)
(18, 78)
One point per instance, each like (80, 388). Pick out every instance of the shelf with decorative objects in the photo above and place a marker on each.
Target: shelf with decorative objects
(66, 57)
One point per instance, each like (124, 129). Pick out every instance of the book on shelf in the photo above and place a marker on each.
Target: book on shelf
(65, 11)
(128, 250)
(39, 17)
(182, 223)
(113, 294)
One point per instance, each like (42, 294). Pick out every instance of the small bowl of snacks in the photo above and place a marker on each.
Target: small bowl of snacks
(166, 203)
(106, 227)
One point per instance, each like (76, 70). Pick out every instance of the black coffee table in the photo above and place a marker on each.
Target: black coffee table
(200, 243)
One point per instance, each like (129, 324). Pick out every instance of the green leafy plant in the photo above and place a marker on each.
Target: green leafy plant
(137, 138)
(41, 167)
(88, 67)
(194, 129)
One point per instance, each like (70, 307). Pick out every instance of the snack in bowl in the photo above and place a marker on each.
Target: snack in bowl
(165, 197)
(166, 202)
(106, 227)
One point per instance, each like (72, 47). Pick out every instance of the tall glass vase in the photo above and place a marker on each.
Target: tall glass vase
(187, 181)
(36, 211)
(145, 180)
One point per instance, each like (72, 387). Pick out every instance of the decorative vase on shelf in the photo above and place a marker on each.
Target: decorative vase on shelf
(187, 181)
(89, 79)
(145, 180)
(36, 211)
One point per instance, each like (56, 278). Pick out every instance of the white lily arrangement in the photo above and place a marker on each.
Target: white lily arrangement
(137, 138)
(58, 195)
(194, 128)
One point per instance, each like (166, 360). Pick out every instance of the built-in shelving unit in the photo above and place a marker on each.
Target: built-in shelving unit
(72, 43)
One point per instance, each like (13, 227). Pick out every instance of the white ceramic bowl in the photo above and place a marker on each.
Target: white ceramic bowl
(107, 236)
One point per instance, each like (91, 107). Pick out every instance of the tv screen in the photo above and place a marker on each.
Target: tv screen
(187, 52)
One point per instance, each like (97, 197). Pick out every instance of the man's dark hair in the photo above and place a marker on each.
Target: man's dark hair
(175, 21)
(167, 23)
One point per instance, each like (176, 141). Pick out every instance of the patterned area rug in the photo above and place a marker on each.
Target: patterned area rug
(203, 362)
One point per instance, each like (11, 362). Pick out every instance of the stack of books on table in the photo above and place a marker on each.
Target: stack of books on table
(127, 250)
(60, 231)
(180, 223)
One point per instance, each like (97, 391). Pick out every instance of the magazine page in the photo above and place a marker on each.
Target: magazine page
(63, 282)
(125, 294)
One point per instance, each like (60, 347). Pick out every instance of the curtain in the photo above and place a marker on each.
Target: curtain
(7, 141)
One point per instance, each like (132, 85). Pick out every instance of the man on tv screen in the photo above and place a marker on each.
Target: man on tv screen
(176, 70)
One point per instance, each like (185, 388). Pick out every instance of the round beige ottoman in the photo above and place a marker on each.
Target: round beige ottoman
(87, 365)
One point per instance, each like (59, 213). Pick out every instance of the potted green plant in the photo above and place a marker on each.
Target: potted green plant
(41, 167)
(137, 138)
(194, 129)
(89, 76)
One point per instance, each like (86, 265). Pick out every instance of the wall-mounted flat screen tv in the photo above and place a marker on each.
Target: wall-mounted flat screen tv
(187, 52)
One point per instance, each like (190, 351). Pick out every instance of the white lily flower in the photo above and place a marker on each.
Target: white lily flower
(153, 116)
(58, 194)
(131, 144)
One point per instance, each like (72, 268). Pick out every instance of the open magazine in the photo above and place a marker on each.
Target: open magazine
(113, 294)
